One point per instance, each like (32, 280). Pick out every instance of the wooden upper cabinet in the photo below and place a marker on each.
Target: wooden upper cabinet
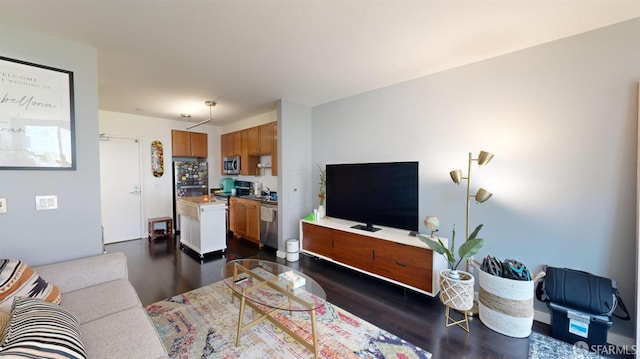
(274, 148)
(180, 143)
(199, 146)
(250, 144)
(189, 144)
(253, 141)
(226, 143)
(237, 143)
(259, 140)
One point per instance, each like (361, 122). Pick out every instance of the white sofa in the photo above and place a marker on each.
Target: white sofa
(113, 323)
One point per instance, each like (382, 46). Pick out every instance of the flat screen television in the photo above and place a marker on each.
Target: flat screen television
(384, 194)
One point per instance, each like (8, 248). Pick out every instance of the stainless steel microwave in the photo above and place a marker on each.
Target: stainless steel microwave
(231, 165)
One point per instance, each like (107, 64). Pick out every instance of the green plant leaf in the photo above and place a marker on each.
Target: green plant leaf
(436, 246)
(475, 232)
(470, 247)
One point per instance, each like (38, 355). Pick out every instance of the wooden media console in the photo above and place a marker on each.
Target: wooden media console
(389, 254)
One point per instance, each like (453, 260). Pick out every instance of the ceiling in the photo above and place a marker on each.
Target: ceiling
(164, 58)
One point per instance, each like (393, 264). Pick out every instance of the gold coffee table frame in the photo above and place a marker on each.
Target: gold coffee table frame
(236, 272)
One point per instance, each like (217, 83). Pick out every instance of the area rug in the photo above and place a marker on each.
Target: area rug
(544, 347)
(202, 324)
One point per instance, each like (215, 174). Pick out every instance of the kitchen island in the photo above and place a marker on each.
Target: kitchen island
(203, 226)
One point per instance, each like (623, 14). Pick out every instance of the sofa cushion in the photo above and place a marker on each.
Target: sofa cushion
(39, 329)
(17, 279)
(100, 300)
(127, 334)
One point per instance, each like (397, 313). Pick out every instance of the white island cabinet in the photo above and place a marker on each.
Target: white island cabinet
(203, 224)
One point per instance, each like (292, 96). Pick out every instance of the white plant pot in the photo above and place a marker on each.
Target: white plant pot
(457, 293)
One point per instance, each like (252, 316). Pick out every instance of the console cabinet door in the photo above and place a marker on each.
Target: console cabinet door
(406, 264)
(317, 239)
(353, 249)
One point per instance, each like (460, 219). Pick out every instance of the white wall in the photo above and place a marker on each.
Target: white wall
(157, 192)
(561, 121)
(73, 230)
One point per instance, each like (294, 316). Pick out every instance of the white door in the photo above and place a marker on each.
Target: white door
(120, 189)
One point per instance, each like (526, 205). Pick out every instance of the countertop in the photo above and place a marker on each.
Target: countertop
(203, 200)
(266, 199)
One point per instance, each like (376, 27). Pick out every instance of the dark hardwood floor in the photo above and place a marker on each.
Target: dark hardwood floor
(159, 270)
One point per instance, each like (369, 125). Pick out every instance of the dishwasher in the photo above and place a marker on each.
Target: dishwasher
(269, 225)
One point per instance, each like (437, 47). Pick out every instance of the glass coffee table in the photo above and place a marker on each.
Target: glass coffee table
(268, 287)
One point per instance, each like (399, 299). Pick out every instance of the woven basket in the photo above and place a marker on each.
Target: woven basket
(457, 293)
(506, 305)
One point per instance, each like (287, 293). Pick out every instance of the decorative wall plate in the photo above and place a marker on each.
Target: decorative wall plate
(157, 159)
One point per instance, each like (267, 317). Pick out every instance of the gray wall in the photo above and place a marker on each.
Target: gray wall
(561, 120)
(73, 230)
(294, 169)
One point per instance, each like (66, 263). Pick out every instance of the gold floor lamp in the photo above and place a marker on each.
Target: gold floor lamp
(481, 196)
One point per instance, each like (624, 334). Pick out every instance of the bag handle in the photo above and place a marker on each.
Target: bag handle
(621, 305)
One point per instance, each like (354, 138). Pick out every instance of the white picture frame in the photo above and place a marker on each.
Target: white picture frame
(37, 124)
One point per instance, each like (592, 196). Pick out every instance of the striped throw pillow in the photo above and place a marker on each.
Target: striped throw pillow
(17, 279)
(39, 329)
(4, 322)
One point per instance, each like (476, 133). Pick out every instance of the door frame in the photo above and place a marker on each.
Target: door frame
(106, 137)
(637, 329)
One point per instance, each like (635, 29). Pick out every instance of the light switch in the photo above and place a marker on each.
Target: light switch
(3, 205)
(46, 202)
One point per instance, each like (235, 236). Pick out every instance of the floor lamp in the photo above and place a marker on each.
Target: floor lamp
(481, 196)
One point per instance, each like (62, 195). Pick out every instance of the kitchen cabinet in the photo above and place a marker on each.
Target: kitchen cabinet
(274, 148)
(250, 144)
(189, 144)
(244, 219)
(389, 254)
(226, 145)
(259, 140)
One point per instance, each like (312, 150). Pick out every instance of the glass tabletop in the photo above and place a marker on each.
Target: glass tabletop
(273, 285)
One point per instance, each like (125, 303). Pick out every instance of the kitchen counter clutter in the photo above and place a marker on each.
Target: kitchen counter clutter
(203, 224)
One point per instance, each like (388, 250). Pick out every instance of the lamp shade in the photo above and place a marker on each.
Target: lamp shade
(456, 176)
(484, 157)
(482, 195)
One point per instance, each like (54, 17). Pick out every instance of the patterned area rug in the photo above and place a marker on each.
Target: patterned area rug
(202, 324)
(544, 347)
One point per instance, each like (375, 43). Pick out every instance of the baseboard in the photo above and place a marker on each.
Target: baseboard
(281, 254)
(612, 338)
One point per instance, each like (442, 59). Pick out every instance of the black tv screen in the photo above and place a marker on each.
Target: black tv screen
(384, 194)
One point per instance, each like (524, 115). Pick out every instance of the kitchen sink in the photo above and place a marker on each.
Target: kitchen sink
(266, 199)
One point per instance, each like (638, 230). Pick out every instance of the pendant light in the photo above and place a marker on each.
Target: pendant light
(210, 104)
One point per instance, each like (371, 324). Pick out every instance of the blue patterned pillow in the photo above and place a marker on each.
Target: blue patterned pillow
(39, 329)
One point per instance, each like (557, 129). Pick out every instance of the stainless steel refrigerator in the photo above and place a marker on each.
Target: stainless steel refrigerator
(190, 178)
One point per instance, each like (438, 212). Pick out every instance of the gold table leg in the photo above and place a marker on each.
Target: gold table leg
(315, 333)
(240, 317)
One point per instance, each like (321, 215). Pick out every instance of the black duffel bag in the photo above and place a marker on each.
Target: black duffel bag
(580, 291)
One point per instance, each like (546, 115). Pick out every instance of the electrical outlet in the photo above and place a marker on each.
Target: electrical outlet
(46, 202)
(3, 205)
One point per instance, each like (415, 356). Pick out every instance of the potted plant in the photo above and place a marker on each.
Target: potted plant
(321, 191)
(456, 286)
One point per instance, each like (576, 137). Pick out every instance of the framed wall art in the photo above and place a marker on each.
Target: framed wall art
(37, 129)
